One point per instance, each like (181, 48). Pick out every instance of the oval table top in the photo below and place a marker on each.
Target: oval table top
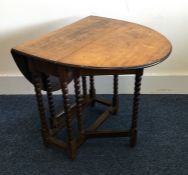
(100, 43)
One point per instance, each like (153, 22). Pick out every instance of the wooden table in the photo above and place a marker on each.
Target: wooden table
(92, 46)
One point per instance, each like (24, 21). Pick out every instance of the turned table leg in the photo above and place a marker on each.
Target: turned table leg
(51, 106)
(84, 86)
(44, 125)
(78, 103)
(67, 109)
(137, 88)
(92, 89)
(115, 99)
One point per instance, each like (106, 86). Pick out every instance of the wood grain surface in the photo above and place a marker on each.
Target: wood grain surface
(100, 43)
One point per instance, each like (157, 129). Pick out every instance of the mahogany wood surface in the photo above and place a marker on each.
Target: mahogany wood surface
(100, 43)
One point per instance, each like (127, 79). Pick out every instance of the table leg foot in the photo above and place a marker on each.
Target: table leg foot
(133, 138)
(72, 151)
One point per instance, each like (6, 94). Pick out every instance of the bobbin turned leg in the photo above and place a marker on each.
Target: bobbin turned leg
(44, 126)
(115, 99)
(70, 141)
(84, 86)
(78, 104)
(137, 88)
(92, 89)
(48, 87)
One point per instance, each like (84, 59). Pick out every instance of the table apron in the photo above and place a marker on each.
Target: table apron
(53, 69)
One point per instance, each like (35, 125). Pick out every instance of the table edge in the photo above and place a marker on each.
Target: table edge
(13, 50)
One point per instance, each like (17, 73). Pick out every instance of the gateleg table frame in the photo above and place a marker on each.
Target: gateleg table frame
(40, 68)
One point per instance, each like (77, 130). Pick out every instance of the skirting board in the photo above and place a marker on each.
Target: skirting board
(151, 84)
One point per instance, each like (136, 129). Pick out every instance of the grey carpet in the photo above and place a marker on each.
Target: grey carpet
(162, 147)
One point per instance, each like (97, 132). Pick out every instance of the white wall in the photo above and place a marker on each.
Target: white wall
(21, 20)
